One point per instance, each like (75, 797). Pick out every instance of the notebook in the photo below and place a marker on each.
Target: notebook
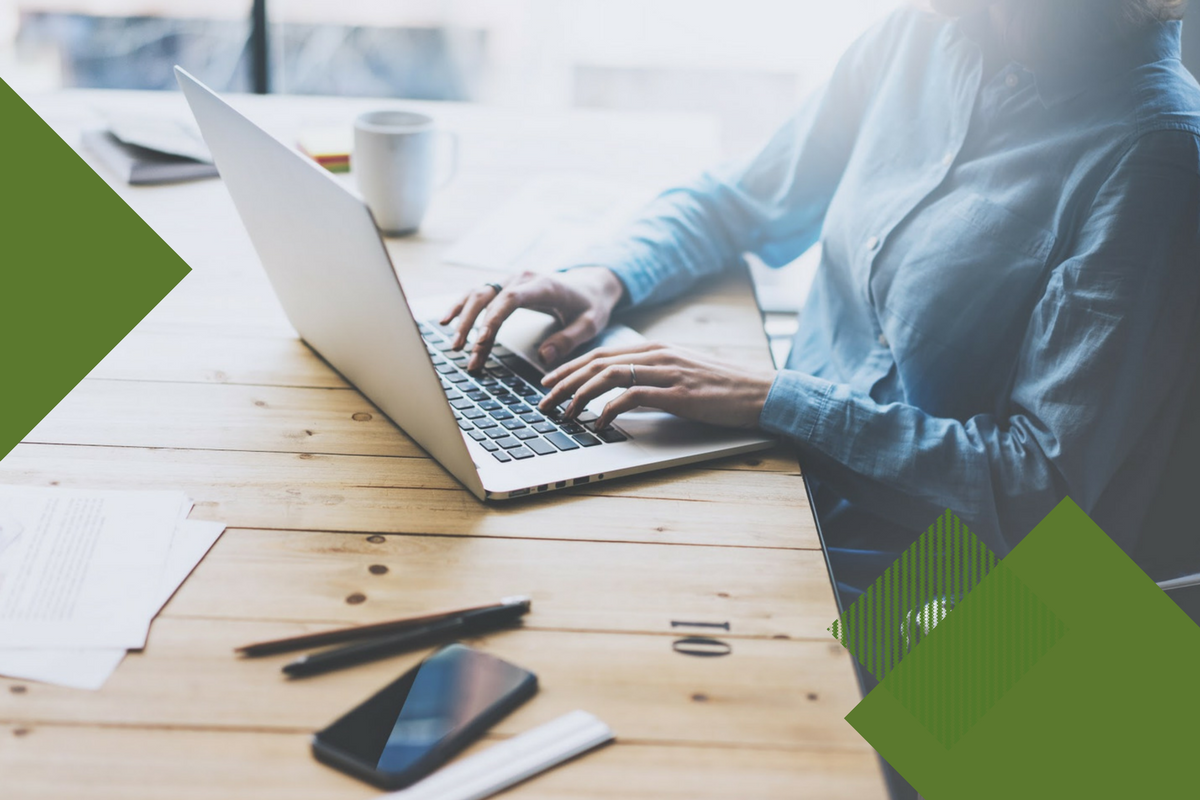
(151, 151)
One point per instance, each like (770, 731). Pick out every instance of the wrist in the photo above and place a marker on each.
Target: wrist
(761, 391)
(603, 283)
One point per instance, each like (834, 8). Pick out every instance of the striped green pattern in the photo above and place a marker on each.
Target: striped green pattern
(963, 670)
(901, 608)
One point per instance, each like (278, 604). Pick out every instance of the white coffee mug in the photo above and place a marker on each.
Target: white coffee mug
(395, 163)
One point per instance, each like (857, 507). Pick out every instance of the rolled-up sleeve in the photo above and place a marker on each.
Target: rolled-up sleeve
(772, 204)
(1110, 338)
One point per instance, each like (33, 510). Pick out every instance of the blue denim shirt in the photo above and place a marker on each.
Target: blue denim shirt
(1006, 308)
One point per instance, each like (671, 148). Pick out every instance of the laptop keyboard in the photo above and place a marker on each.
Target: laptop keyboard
(497, 407)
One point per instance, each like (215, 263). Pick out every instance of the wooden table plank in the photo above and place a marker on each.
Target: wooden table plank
(135, 763)
(767, 693)
(201, 354)
(306, 576)
(408, 495)
(219, 416)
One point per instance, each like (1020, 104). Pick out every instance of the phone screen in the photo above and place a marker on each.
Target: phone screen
(429, 707)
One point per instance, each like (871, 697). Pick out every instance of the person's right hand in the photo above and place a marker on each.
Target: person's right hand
(582, 300)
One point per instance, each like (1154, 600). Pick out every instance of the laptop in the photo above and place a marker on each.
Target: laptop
(328, 265)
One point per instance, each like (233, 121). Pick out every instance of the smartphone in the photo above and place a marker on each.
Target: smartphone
(415, 724)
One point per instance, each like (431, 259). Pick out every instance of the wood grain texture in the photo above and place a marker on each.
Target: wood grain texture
(135, 763)
(200, 354)
(307, 576)
(337, 518)
(372, 494)
(330, 421)
(767, 693)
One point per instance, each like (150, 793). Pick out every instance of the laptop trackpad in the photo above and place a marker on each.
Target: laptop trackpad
(525, 330)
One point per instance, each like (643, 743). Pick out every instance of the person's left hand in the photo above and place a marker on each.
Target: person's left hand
(668, 378)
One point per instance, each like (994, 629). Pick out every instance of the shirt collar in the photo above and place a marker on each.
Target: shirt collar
(1059, 81)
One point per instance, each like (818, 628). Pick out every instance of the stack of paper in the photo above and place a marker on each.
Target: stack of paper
(329, 147)
(83, 574)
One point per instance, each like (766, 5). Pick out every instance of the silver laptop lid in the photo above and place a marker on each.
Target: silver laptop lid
(332, 274)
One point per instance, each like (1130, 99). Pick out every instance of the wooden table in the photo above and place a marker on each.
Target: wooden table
(336, 517)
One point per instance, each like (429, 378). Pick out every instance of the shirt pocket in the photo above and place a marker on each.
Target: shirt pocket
(1004, 227)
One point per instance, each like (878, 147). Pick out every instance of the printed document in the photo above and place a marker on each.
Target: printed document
(89, 668)
(81, 568)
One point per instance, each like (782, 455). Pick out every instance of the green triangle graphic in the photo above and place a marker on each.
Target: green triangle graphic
(79, 269)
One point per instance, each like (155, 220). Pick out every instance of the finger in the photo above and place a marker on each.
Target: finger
(476, 301)
(616, 376)
(567, 386)
(570, 384)
(453, 312)
(558, 345)
(638, 396)
(517, 295)
(572, 366)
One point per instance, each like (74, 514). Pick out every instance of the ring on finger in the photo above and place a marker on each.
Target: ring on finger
(495, 286)
(632, 375)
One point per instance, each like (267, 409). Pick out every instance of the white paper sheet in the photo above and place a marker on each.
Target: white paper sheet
(80, 568)
(90, 668)
(550, 223)
(76, 669)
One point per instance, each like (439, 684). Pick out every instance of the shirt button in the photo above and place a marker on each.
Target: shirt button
(872, 242)
(948, 159)
(1012, 80)
(883, 340)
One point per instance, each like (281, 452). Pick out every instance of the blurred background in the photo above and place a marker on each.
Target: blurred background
(746, 62)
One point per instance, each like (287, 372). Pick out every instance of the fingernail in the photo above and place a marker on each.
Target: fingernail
(549, 353)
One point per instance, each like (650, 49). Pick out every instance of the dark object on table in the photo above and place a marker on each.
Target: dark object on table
(137, 164)
(418, 722)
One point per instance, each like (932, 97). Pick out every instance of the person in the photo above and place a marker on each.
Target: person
(1007, 195)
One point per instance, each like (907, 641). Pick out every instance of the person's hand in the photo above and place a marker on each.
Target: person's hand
(664, 377)
(582, 300)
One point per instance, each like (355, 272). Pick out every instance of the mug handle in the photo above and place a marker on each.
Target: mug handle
(453, 139)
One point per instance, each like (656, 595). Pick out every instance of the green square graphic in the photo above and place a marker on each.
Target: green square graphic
(1108, 709)
(1000, 631)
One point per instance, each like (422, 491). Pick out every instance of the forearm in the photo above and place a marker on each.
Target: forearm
(681, 238)
(999, 475)
(772, 204)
